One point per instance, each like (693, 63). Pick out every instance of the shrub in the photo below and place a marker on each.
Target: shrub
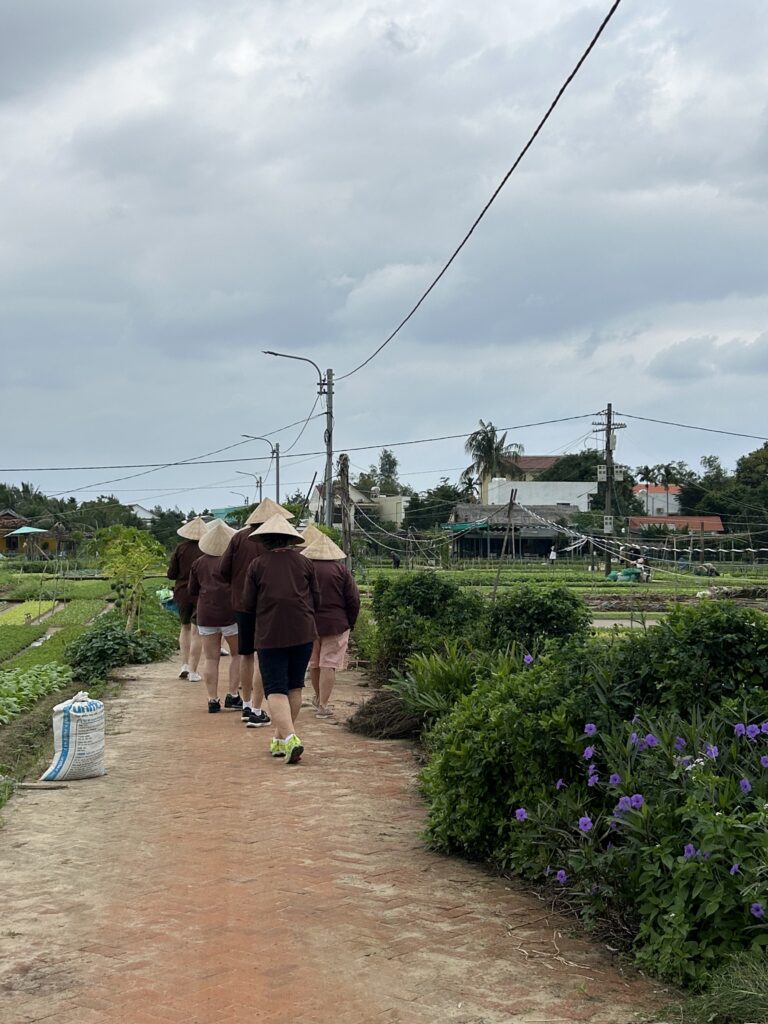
(365, 637)
(107, 645)
(415, 613)
(528, 614)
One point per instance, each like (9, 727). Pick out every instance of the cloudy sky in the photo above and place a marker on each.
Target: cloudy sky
(183, 184)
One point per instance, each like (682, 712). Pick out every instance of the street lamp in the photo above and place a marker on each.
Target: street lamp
(324, 387)
(256, 482)
(275, 450)
(241, 495)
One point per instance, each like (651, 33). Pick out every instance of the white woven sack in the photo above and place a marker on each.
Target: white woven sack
(78, 740)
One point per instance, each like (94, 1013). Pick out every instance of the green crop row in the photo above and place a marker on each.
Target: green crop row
(21, 613)
(77, 613)
(53, 650)
(14, 639)
(20, 688)
(55, 588)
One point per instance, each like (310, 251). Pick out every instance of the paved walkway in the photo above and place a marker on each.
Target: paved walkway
(202, 882)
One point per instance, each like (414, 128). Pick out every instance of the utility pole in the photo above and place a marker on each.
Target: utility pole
(260, 496)
(328, 445)
(346, 519)
(607, 474)
(276, 453)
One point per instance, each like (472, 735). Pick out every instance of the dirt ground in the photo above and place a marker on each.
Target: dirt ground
(203, 882)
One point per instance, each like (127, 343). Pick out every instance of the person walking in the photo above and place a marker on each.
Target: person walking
(242, 550)
(215, 615)
(339, 609)
(280, 590)
(179, 568)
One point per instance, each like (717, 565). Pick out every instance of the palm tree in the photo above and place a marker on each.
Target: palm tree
(491, 455)
(666, 474)
(647, 475)
(468, 484)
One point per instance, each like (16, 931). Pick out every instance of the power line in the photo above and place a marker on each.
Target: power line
(690, 426)
(299, 455)
(498, 189)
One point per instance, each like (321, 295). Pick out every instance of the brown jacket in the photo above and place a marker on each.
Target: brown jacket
(181, 564)
(280, 588)
(339, 598)
(211, 591)
(240, 553)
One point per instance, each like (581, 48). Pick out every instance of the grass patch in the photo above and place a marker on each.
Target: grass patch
(14, 639)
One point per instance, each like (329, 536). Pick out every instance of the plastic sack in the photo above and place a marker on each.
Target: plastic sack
(78, 740)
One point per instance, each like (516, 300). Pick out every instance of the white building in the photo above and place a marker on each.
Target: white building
(543, 492)
(143, 514)
(658, 500)
(388, 508)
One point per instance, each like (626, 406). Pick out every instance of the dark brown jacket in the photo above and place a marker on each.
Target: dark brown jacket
(181, 563)
(339, 598)
(281, 589)
(235, 561)
(211, 591)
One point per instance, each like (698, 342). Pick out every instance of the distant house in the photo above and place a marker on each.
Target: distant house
(523, 467)
(563, 493)
(143, 514)
(695, 524)
(10, 521)
(390, 508)
(479, 529)
(657, 499)
(229, 514)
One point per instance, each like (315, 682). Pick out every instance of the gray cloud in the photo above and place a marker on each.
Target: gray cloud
(184, 185)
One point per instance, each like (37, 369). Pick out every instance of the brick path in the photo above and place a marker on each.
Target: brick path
(202, 882)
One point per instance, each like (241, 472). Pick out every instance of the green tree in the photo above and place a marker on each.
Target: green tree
(164, 526)
(492, 455)
(127, 554)
(583, 466)
(434, 507)
(646, 475)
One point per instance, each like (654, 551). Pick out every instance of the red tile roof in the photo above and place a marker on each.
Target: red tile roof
(709, 524)
(655, 489)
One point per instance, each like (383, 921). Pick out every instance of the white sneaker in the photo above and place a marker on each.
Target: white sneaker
(194, 677)
(184, 672)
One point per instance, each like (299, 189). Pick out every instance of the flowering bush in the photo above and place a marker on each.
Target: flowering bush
(653, 825)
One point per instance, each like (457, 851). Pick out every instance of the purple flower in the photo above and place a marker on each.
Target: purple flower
(624, 804)
(764, 728)
(559, 784)
(637, 801)
(592, 768)
(585, 824)
(679, 743)
(686, 760)
(711, 751)
(745, 786)
(589, 753)
(615, 779)
(705, 856)
(528, 659)
(642, 745)
(590, 729)
(757, 910)
(764, 760)
(562, 876)
(753, 731)
(593, 780)
(739, 729)
(689, 850)
(734, 869)
(633, 739)
(651, 740)
(521, 814)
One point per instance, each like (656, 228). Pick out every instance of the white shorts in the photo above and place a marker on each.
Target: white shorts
(212, 630)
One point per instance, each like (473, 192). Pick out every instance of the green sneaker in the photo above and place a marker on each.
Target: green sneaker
(277, 748)
(293, 748)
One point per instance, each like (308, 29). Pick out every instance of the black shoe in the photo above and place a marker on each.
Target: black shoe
(214, 706)
(257, 719)
(233, 700)
(246, 715)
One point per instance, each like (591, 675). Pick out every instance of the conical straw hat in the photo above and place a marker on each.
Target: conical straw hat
(278, 525)
(323, 550)
(193, 530)
(265, 510)
(217, 538)
(311, 533)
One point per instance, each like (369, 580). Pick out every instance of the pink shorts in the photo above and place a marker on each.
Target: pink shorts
(330, 652)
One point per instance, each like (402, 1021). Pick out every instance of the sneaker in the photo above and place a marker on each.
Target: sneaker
(233, 700)
(184, 672)
(257, 719)
(194, 677)
(214, 706)
(293, 749)
(277, 748)
(246, 715)
(324, 712)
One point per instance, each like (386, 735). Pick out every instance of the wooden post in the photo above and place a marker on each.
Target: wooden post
(510, 506)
